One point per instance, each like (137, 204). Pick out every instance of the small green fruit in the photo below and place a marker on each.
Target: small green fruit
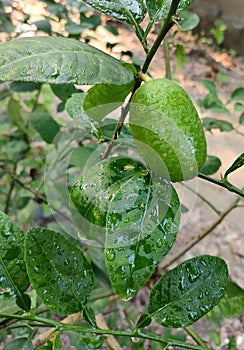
(167, 130)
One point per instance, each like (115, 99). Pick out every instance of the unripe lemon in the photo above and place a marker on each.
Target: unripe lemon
(167, 130)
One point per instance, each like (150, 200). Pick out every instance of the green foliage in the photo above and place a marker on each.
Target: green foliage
(116, 221)
(218, 31)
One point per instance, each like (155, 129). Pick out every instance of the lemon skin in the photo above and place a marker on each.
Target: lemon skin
(167, 130)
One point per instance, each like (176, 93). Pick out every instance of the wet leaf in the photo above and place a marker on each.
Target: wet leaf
(142, 224)
(92, 194)
(211, 166)
(129, 11)
(59, 60)
(58, 271)
(159, 9)
(14, 280)
(239, 162)
(186, 293)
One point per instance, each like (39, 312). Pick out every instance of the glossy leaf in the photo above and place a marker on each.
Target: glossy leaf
(59, 60)
(231, 305)
(186, 293)
(142, 224)
(129, 11)
(58, 271)
(159, 9)
(20, 344)
(92, 194)
(211, 166)
(239, 162)
(14, 280)
(103, 99)
(188, 20)
(212, 123)
(45, 125)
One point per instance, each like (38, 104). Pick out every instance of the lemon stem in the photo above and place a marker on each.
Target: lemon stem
(168, 74)
(168, 23)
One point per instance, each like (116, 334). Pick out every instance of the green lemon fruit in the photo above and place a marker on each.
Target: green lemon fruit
(167, 130)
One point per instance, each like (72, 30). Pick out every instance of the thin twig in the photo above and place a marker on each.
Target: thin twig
(199, 237)
(222, 183)
(11, 188)
(195, 336)
(217, 211)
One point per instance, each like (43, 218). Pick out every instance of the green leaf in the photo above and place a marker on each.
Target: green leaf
(24, 302)
(87, 341)
(45, 125)
(211, 165)
(231, 305)
(188, 20)
(144, 321)
(181, 57)
(14, 280)
(64, 91)
(57, 60)
(44, 26)
(159, 9)
(103, 99)
(239, 107)
(129, 11)
(241, 119)
(239, 162)
(89, 316)
(238, 94)
(186, 293)
(92, 194)
(20, 344)
(142, 224)
(212, 123)
(58, 271)
(15, 115)
(20, 86)
(211, 100)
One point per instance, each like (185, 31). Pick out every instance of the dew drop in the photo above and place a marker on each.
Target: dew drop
(135, 339)
(110, 255)
(126, 299)
(159, 243)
